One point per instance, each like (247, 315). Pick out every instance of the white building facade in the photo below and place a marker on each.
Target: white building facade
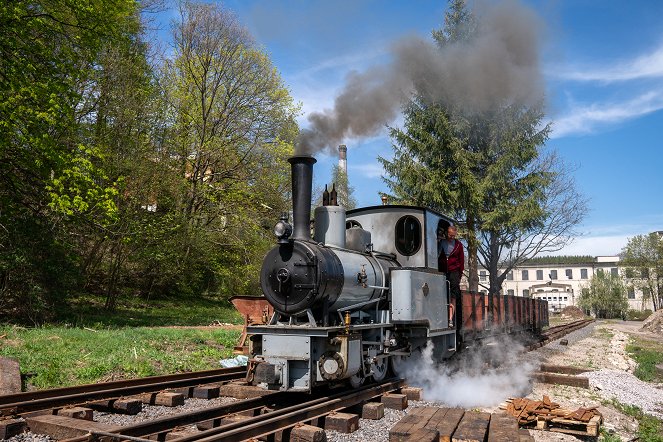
(561, 284)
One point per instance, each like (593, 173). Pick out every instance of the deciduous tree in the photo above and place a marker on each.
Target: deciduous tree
(643, 254)
(605, 296)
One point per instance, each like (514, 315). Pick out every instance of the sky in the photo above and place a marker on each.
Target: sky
(602, 62)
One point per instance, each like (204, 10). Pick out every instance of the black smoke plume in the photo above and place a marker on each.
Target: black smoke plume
(498, 66)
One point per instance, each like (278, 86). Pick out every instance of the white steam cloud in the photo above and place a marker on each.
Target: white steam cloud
(482, 376)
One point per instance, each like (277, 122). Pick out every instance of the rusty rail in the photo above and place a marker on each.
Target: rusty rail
(18, 403)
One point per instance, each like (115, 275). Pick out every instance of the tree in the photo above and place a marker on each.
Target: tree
(50, 179)
(232, 126)
(643, 256)
(605, 296)
(344, 191)
(485, 168)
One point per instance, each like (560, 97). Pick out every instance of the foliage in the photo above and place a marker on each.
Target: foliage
(125, 176)
(647, 354)
(650, 429)
(71, 356)
(565, 259)
(638, 315)
(643, 254)
(50, 179)
(605, 296)
(486, 168)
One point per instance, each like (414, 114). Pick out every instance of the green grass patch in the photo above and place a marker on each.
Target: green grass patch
(647, 354)
(607, 437)
(650, 429)
(89, 311)
(61, 356)
(604, 333)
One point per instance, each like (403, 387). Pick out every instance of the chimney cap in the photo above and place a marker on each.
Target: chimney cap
(307, 159)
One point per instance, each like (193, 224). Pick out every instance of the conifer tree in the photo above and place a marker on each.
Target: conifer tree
(485, 169)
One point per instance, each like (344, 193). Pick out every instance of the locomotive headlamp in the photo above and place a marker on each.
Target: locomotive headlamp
(283, 229)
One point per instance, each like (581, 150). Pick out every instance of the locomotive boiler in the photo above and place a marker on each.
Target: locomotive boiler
(353, 301)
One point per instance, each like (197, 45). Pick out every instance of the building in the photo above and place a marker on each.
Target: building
(559, 280)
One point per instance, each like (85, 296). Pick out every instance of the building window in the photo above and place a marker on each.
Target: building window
(483, 292)
(555, 290)
(553, 274)
(539, 275)
(631, 293)
(569, 273)
(566, 298)
(583, 273)
(614, 271)
(482, 275)
(540, 291)
(509, 276)
(554, 298)
(525, 275)
(509, 292)
(525, 293)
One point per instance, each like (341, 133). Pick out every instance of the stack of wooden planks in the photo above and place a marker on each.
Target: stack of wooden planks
(548, 415)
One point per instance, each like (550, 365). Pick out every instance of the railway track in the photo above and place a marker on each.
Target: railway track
(558, 331)
(284, 411)
(20, 403)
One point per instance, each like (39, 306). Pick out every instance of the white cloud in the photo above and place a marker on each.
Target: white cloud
(368, 170)
(595, 245)
(609, 239)
(343, 63)
(585, 119)
(644, 66)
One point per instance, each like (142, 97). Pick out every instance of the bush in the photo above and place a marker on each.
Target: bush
(638, 315)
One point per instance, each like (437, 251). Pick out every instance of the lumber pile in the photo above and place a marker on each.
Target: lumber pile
(548, 415)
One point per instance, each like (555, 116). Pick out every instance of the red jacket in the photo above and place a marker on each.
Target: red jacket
(455, 262)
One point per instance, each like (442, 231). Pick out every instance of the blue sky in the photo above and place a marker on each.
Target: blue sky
(603, 67)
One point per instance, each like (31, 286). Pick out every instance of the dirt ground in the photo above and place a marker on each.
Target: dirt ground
(603, 348)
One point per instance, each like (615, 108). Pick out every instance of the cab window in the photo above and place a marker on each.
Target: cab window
(408, 235)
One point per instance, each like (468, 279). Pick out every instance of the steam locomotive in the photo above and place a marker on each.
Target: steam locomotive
(364, 294)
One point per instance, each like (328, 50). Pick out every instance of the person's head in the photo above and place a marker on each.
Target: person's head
(442, 229)
(452, 231)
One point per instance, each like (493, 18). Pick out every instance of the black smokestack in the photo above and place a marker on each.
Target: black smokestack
(497, 66)
(302, 182)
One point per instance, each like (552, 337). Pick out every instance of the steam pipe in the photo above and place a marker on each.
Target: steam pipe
(302, 182)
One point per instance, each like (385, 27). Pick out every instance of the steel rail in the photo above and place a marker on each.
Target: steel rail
(58, 397)
(168, 423)
(290, 416)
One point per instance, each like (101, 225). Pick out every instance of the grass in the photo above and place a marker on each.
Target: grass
(88, 344)
(136, 312)
(647, 354)
(61, 356)
(650, 429)
(604, 333)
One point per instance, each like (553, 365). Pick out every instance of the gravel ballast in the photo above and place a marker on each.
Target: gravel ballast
(628, 389)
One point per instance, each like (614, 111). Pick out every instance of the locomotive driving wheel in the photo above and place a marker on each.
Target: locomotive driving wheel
(380, 368)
